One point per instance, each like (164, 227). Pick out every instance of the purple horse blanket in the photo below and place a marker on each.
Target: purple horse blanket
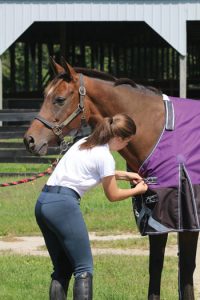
(172, 202)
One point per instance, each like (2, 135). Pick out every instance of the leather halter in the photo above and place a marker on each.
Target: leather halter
(57, 128)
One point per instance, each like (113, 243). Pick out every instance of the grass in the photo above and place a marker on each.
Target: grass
(17, 210)
(115, 278)
(17, 205)
(22, 168)
(131, 243)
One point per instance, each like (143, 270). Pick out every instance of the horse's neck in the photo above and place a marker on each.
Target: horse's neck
(146, 109)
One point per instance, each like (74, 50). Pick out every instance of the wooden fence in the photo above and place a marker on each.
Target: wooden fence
(14, 125)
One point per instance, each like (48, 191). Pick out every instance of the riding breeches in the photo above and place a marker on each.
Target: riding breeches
(59, 217)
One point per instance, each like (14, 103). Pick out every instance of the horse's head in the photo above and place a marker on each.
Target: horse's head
(61, 110)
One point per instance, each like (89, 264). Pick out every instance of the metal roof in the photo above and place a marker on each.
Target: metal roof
(167, 18)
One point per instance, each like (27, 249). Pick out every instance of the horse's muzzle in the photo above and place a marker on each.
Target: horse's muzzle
(39, 149)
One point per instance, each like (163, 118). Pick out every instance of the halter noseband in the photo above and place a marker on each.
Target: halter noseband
(57, 128)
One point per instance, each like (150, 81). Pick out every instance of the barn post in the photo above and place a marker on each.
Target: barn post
(183, 76)
(1, 87)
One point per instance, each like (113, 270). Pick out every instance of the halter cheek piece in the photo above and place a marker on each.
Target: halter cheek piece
(57, 128)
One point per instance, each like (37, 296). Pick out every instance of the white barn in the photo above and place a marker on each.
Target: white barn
(167, 18)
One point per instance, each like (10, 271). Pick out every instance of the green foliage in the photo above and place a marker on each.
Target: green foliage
(19, 64)
(6, 71)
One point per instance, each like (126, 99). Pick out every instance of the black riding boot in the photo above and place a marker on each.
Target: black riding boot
(154, 297)
(83, 287)
(188, 292)
(58, 291)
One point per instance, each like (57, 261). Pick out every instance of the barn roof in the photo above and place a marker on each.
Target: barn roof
(167, 18)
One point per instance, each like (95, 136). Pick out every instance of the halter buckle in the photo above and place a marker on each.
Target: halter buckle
(57, 130)
(82, 90)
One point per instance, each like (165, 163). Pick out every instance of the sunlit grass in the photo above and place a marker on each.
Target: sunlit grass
(115, 277)
(22, 168)
(17, 205)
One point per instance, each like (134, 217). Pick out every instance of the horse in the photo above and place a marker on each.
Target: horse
(77, 94)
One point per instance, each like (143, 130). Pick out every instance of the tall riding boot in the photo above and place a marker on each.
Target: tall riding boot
(188, 292)
(154, 297)
(83, 287)
(58, 291)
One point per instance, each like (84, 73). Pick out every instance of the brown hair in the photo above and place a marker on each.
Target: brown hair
(120, 125)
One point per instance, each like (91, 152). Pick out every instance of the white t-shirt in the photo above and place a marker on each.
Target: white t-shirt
(81, 170)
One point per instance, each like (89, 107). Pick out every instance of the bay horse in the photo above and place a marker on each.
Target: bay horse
(76, 94)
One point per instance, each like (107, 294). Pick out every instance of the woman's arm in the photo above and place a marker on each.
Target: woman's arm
(128, 176)
(114, 193)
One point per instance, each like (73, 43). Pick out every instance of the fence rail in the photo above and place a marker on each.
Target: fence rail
(14, 125)
(17, 115)
(12, 132)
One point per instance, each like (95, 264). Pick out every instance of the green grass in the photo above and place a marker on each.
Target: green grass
(17, 205)
(22, 168)
(115, 278)
(131, 243)
(17, 210)
(25, 167)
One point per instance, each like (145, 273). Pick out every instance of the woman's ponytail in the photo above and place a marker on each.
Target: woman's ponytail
(119, 125)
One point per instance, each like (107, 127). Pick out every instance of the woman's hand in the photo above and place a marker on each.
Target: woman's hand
(135, 178)
(140, 188)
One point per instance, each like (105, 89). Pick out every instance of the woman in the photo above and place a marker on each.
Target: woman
(87, 163)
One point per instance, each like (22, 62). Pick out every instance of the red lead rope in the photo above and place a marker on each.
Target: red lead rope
(64, 149)
(48, 171)
(25, 180)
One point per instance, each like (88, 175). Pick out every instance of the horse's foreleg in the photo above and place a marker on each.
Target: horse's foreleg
(157, 245)
(187, 255)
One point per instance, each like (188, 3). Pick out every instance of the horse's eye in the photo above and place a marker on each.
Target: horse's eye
(59, 100)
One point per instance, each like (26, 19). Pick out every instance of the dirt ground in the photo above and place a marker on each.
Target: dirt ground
(33, 245)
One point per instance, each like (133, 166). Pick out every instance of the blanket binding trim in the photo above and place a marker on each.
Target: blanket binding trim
(192, 192)
(169, 123)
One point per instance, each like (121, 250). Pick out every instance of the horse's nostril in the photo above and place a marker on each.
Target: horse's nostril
(31, 139)
(29, 142)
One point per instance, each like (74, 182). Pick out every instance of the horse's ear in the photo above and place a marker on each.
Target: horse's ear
(68, 69)
(57, 69)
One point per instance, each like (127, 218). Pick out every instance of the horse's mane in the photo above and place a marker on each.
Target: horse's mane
(108, 77)
(105, 76)
(95, 73)
(121, 81)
